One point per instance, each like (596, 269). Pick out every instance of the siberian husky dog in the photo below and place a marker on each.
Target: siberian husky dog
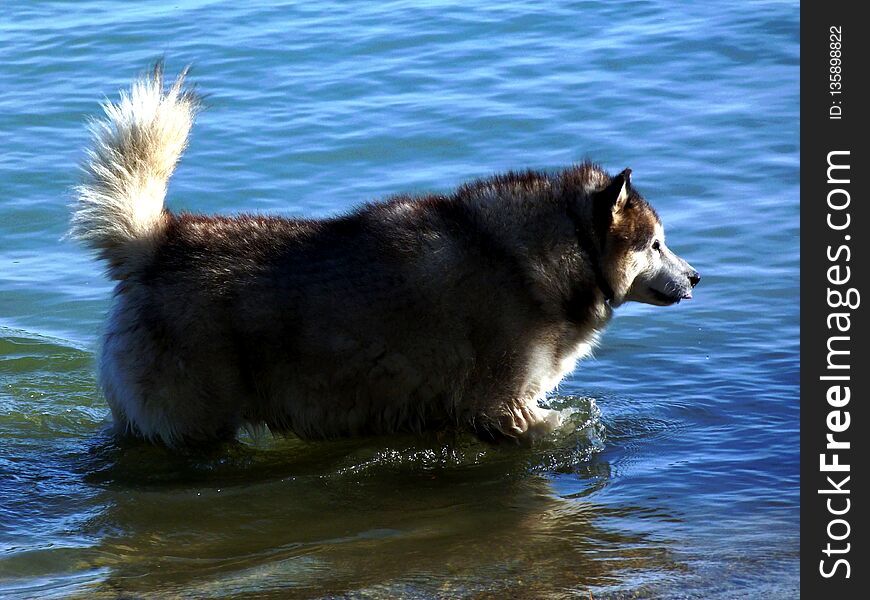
(457, 310)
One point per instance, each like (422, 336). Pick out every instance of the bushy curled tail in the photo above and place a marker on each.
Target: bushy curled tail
(135, 147)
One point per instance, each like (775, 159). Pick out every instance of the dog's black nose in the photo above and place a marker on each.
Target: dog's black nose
(694, 278)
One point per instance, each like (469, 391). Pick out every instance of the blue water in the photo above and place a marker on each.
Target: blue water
(682, 481)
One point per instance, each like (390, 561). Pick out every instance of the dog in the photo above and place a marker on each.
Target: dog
(442, 311)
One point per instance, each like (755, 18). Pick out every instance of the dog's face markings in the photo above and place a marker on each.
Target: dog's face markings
(637, 262)
(663, 278)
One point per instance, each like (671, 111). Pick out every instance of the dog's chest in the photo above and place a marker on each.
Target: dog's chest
(550, 362)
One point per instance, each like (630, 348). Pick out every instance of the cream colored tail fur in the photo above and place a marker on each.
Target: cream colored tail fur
(119, 206)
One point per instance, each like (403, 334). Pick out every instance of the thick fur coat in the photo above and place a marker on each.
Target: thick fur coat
(440, 311)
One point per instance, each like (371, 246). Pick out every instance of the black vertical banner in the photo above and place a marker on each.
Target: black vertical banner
(835, 364)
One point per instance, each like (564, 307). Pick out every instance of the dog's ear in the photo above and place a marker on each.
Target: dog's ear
(615, 195)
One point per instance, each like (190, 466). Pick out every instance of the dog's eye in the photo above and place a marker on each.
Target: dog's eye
(656, 245)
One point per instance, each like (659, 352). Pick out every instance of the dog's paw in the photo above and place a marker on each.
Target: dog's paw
(526, 423)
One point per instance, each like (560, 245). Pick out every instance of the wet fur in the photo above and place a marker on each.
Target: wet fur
(420, 312)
